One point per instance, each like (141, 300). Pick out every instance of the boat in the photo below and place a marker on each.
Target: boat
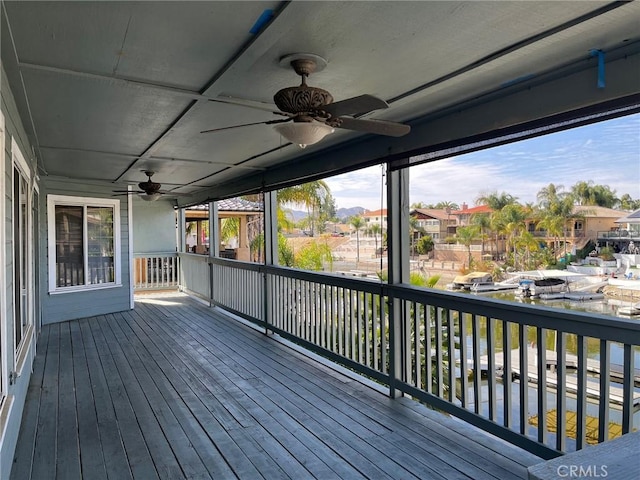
(632, 310)
(509, 284)
(465, 282)
(535, 283)
(541, 286)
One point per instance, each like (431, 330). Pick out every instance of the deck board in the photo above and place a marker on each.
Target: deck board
(174, 389)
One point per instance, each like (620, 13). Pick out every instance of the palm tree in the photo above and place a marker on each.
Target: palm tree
(554, 225)
(311, 195)
(466, 236)
(357, 223)
(513, 223)
(414, 227)
(482, 221)
(496, 201)
(527, 243)
(375, 229)
(550, 196)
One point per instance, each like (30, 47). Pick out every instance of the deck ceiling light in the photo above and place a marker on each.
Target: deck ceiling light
(303, 133)
(150, 197)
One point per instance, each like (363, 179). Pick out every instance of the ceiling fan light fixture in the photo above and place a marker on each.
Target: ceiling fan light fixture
(150, 197)
(303, 133)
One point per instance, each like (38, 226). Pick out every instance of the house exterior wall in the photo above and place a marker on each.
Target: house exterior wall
(14, 368)
(42, 307)
(154, 227)
(60, 307)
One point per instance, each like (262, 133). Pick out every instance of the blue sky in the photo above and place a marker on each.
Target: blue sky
(607, 153)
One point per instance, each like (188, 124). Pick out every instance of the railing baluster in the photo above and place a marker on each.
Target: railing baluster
(438, 339)
(561, 397)
(369, 325)
(464, 368)
(416, 338)
(341, 322)
(375, 336)
(603, 414)
(627, 389)
(427, 348)
(352, 322)
(451, 346)
(524, 379)
(541, 352)
(477, 367)
(383, 334)
(581, 400)
(491, 369)
(506, 373)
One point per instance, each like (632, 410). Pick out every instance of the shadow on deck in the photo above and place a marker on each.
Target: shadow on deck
(174, 389)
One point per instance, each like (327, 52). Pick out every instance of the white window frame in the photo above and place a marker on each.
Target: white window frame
(55, 200)
(21, 164)
(5, 334)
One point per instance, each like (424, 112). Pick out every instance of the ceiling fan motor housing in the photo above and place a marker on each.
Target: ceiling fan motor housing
(149, 187)
(302, 99)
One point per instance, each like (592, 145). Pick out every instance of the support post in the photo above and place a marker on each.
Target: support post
(270, 252)
(214, 243)
(398, 266)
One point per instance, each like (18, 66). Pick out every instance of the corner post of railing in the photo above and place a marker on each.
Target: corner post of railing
(182, 244)
(398, 266)
(271, 253)
(214, 243)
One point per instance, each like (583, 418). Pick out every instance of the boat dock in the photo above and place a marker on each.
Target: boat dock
(571, 383)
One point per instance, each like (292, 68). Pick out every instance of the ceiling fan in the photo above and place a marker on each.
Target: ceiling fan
(149, 190)
(312, 112)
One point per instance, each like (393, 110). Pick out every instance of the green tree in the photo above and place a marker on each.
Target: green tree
(588, 193)
(447, 204)
(357, 223)
(496, 201)
(424, 245)
(483, 222)
(311, 195)
(375, 229)
(313, 256)
(466, 236)
(512, 224)
(626, 202)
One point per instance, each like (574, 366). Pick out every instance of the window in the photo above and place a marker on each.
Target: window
(84, 243)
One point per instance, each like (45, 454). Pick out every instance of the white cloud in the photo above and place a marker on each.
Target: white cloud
(607, 153)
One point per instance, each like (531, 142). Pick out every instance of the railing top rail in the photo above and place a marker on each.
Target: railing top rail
(587, 324)
(154, 254)
(581, 323)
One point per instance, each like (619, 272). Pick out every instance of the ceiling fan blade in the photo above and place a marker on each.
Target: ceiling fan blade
(355, 106)
(379, 127)
(126, 192)
(173, 194)
(241, 102)
(269, 122)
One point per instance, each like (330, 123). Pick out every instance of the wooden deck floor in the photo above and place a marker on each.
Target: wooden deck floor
(174, 389)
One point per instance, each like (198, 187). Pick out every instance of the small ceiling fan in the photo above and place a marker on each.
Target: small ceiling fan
(312, 111)
(149, 190)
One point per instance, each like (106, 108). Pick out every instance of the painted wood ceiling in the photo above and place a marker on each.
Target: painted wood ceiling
(107, 90)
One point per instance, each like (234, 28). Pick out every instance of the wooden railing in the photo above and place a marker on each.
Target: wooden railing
(155, 271)
(537, 377)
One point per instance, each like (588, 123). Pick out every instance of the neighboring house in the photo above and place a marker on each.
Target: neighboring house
(590, 224)
(375, 216)
(465, 214)
(626, 230)
(249, 215)
(435, 222)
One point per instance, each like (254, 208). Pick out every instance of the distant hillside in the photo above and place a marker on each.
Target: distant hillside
(342, 213)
